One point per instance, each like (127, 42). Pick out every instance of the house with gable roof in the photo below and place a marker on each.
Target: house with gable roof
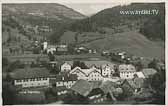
(107, 70)
(65, 67)
(132, 86)
(63, 79)
(31, 77)
(148, 72)
(91, 74)
(127, 71)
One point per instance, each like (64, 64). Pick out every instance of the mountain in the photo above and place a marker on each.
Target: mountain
(112, 18)
(140, 35)
(48, 10)
(26, 20)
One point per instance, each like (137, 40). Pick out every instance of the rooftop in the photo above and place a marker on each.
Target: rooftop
(82, 87)
(126, 67)
(87, 72)
(148, 71)
(97, 63)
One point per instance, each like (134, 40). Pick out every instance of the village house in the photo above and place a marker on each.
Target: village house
(61, 91)
(96, 96)
(126, 71)
(44, 29)
(132, 86)
(107, 71)
(63, 79)
(106, 67)
(91, 74)
(65, 67)
(53, 63)
(96, 92)
(62, 49)
(148, 72)
(51, 49)
(31, 77)
(45, 45)
(82, 87)
(140, 74)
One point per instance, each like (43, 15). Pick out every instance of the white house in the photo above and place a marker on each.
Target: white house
(65, 67)
(45, 45)
(51, 48)
(64, 79)
(107, 70)
(127, 71)
(92, 74)
(31, 77)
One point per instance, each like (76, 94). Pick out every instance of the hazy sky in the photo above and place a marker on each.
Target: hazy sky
(90, 8)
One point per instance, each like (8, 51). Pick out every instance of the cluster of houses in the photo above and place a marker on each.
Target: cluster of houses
(63, 49)
(74, 79)
(55, 49)
(37, 28)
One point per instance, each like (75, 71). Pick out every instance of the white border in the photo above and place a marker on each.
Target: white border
(88, 1)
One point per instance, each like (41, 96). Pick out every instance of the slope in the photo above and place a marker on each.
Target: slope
(131, 42)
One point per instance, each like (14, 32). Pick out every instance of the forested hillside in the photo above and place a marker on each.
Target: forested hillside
(112, 18)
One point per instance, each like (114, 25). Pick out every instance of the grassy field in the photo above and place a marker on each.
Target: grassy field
(132, 42)
(58, 57)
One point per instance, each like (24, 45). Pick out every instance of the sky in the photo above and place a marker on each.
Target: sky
(91, 8)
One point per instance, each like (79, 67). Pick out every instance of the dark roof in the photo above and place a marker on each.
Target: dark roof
(64, 77)
(96, 91)
(30, 73)
(82, 87)
(132, 84)
(108, 86)
(139, 82)
(95, 84)
(135, 83)
(58, 89)
(97, 63)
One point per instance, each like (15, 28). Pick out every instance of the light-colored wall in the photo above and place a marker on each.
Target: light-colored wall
(127, 75)
(67, 84)
(107, 71)
(95, 76)
(32, 83)
(44, 45)
(65, 67)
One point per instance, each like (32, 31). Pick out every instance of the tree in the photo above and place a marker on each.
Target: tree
(76, 37)
(139, 66)
(79, 64)
(14, 65)
(71, 48)
(158, 85)
(51, 56)
(153, 64)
